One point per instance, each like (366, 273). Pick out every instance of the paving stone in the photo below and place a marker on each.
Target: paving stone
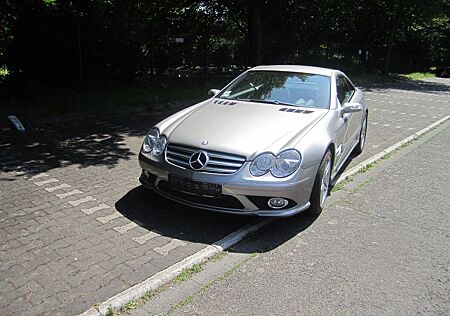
(58, 187)
(83, 200)
(94, 209)
(44, 182)
(70, 193)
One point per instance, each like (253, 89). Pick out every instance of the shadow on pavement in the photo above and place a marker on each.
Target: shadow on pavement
(175, 220)
(411, 85)
(83, 144)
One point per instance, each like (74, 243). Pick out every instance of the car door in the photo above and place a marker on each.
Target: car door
(345, 92)
(355, 118)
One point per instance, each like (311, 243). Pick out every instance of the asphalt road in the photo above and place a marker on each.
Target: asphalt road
(381, 248)
(76, 227)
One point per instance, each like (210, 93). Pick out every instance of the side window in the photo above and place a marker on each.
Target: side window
(341, 89)
(350, 89)
(344, 89)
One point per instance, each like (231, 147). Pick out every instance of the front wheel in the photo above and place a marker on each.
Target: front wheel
(362, 137)
(321, 186)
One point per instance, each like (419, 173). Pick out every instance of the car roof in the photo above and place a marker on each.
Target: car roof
(297, 68)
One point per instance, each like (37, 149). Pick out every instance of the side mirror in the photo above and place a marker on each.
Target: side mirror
(213, 92)
(351, 107)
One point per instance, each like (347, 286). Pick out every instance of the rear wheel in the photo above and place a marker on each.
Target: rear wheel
(362, 137)
(321, 185)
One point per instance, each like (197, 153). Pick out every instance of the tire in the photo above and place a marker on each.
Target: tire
(362, 137)
(322, 184)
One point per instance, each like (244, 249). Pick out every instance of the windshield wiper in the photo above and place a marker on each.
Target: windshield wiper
(266, 101)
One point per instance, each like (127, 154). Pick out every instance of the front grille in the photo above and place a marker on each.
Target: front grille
(224, 201)
(219, 162)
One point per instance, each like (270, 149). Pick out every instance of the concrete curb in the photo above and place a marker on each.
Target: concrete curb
(171, 272)
(225, 243)
(357, 168)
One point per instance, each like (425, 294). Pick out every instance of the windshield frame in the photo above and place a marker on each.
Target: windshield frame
(275, 102)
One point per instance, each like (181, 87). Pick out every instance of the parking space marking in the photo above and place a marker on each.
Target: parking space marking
(41, 175)
(167, 248)
(58, 187)
(386, 125)
(146, 237)
(398, 126)
(20, 172)
(108, 218)
(40, 183)
(73, 192)
(127, 227)
(92, 210)
(83, 200)
(374, 123)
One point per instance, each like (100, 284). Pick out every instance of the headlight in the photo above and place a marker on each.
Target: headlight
(262, 164)
(286, 163)
(154, 143)
(283, 165)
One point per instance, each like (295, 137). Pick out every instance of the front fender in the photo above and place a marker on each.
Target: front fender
(315, 143)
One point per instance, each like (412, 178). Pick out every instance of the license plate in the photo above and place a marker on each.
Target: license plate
(196, 187)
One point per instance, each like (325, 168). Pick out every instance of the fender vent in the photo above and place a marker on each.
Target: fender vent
(295, 110)
(224, 102)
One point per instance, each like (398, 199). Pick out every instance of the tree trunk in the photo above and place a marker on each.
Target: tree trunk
(387, 59)
(392, 36)
(255, 31)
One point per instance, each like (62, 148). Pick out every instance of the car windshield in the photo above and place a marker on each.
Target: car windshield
(280, 87)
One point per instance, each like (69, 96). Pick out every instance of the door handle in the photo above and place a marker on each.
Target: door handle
(345, 118)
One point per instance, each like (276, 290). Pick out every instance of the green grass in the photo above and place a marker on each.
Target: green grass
(4, 72)
(360, 186)
(186, 274)
(341, 185)
(418, 75)
(111, 312)
(367, 167)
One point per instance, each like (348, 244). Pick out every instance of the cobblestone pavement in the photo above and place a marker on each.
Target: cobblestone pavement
(76, 227)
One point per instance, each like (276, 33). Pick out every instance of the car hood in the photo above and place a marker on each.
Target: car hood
(243, 128)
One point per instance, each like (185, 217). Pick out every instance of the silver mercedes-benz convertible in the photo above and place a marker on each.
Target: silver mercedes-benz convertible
(270, 143)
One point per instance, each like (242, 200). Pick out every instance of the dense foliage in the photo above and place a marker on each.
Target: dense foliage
(56, 41)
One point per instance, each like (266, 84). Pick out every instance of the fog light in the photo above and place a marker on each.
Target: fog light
(145, 174)
(277, 203)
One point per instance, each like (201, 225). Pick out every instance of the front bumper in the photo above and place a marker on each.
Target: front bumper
(241, 192)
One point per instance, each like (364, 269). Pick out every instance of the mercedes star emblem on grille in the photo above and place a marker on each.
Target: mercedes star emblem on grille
(198, 160)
